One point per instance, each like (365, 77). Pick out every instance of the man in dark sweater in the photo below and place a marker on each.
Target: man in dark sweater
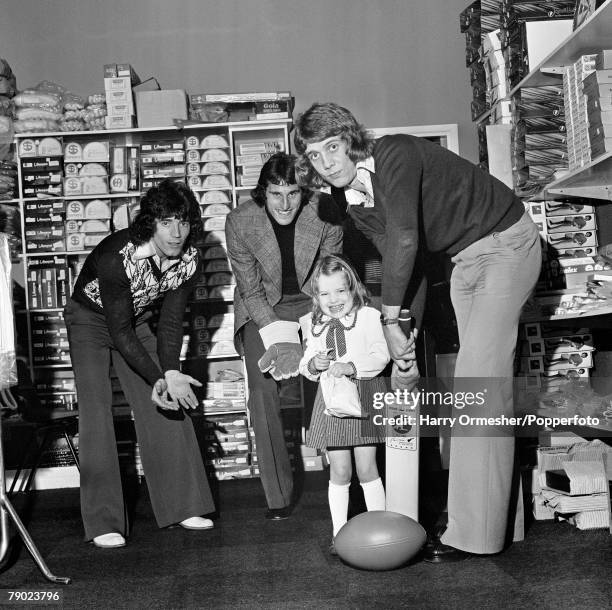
(273, 242)
(108, 319)
(410, 196)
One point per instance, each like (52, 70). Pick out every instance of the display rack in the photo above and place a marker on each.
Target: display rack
(210, 158)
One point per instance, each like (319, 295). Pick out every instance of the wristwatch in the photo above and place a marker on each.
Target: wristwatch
(388, 321)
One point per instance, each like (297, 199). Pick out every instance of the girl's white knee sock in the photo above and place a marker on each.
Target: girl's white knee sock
(338, 496)
(374, 494)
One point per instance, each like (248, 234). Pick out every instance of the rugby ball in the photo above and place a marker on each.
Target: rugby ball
(379, 540)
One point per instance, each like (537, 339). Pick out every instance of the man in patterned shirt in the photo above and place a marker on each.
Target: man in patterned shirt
(108, 319)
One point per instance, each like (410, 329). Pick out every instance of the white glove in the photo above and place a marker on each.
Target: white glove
(179, 388)
(280, 331)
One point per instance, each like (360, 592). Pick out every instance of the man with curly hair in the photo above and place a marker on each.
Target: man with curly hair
(108, 319)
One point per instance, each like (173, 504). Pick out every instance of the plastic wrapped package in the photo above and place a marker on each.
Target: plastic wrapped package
(8, 82)
(8, 363)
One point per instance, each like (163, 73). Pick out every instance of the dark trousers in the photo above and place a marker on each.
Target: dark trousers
(169, 450)
(264, 408)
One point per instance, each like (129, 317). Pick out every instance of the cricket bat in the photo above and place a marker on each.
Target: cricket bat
(402, 441)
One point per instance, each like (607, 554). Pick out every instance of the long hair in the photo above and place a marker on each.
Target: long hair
(278, 169)
(167, 200)
(322, 121)
(329, 265)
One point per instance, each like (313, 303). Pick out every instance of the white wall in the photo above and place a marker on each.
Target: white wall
(392, 62)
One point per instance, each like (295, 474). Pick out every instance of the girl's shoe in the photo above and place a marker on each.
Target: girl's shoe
(197, 523)
(111, 540)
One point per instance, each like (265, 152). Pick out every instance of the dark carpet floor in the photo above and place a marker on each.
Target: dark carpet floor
(248, 562)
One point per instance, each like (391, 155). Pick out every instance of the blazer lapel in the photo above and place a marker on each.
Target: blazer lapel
(264, 246)
(308, 230)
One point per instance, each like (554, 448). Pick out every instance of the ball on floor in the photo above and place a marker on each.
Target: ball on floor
(379, 540)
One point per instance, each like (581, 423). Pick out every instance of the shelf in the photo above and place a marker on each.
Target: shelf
(54, 253)
(50, 309)
(591, 37)
(589, 313)
(235, 134)
(593, 180)
(186, 127)
(88, 196)
(215, 412)
(52, 477)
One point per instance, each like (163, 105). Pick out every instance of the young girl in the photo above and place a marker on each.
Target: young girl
(344, 337)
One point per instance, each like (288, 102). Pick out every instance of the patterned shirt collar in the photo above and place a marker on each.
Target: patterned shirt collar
(147, 250)
(365, 169)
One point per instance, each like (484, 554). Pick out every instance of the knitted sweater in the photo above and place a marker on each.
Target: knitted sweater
(424, 194)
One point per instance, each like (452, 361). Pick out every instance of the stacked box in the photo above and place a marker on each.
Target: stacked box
(209, 164)
(232, 107)
(228, 446)
(250, 158)
(530, 31)
(569, 230)
(224, 396)
(118, 82)
(47, 282)
(539, 143)
(551, 355)
(494, 65)
(88, 222)
(477, 20)
(49, 340)
(42, 167)
(124, 169)
(597, 89)
(587, 506)
(161, 160)
(44, 226)
(212, 334)
(86, 168)
(578, 141)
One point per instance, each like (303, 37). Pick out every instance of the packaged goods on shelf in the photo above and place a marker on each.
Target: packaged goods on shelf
(8, 180)
(65, 226)
(160, 108)
(118, 82)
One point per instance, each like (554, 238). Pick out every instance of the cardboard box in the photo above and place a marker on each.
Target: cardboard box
(160, 108)
(542, 37)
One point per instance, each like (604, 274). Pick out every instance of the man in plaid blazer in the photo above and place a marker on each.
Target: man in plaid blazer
(273, 242)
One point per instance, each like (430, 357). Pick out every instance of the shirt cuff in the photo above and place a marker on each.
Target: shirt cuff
(311, 367)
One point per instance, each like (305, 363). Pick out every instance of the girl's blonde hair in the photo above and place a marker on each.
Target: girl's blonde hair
(329, 265)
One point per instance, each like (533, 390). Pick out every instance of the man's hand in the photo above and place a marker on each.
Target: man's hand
(401, 347)
(281, 360)
(405, 378)
(159, 396)
(179, 388)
